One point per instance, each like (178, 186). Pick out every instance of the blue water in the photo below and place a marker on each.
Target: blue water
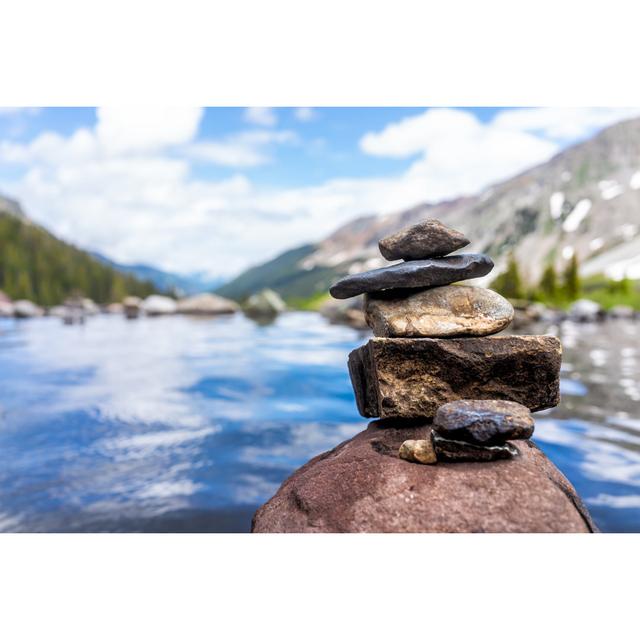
(185, 424)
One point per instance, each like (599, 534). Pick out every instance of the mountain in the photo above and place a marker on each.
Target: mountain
(585, 200)
(165, 280)
(36, 265)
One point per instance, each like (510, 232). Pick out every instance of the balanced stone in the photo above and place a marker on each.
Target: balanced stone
(458, 451)
(418, 451)
(428, 239)
(484, 422)
(438, 313)
(413, 377)
(418, 273)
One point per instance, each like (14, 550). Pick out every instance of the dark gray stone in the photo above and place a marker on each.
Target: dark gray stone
(484, 422)
(458, 451)
(428, 239)
(434, 272)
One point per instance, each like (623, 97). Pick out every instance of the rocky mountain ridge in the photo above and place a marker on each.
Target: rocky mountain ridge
(585, 200)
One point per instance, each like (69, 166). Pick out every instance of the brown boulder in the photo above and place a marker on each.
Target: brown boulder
(412, 377)
(363, 486)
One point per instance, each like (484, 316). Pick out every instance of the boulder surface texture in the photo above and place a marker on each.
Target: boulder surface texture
(412, 377)
(363, 486)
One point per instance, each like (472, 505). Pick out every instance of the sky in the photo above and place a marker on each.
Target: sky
(217, 190)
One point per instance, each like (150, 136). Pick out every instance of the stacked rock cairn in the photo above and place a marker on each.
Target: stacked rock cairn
(434, 357)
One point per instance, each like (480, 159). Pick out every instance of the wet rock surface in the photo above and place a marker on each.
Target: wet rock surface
(484, 422)
(428, 239)
(421, 451)
(412, 378)
(363, 486)
(440, 312)
(418, 273)
(459, 451)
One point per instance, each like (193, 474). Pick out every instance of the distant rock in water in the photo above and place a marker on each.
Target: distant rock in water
(347, 312)
(156, 305)
(428, 239)
(585, 311)
(440, 312)
(207, 304)
(132, 306)
(27, 309)
(267, 303)
(364, 486)
(6, 306)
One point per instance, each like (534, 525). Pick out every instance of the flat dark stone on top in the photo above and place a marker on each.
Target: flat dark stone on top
(433, 272)
(484, 422)
(457, 451)
(428, 239)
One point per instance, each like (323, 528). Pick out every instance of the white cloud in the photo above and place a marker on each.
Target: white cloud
(456, 153)
(264, 116)
(134, 129)
(561, 123)
(304, 114)
(247, 149)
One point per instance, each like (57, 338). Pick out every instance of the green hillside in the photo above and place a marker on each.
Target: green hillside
(36, 265)
(284, 275)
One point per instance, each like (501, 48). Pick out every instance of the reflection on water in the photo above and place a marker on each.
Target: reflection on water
(182, 424)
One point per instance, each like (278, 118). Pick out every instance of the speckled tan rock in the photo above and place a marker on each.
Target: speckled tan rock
(412, 377)
(438, 313)
(421, 451)
(363, 486)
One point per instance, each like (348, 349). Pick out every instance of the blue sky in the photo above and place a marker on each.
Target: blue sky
(220, 189)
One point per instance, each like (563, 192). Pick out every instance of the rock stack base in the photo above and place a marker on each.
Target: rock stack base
(363, 486)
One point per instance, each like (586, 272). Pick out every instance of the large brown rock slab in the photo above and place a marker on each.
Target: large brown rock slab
(427, 239)
(412, 377)
(418, 273)
(363, 486)
(440, 312)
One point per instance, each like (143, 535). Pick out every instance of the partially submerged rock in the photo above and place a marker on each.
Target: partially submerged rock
(363, 486)
(27, 309)
(428, 239)
(156, 305)
(484, 422)
(411, 378)
(347, 312)
(440, 312)
(432, 272)
(132, 306)
(585, 311)
(421, 451)
(207, 304)
(266, 303)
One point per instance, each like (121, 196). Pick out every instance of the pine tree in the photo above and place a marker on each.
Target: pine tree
(571, 280)
(549, 283)
(36, 265)
(509, 283)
